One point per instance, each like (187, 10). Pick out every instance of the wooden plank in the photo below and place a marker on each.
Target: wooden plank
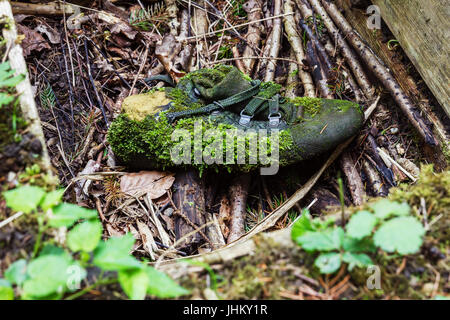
(422, 29)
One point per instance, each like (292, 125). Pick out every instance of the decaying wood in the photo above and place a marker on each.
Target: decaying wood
(350, 57)
(422, 28)
(172, 12)
(292, 82)
(382, 73)
(326, 201)
(297, 47)
(318, 62)
(354, 181)
(376, 184)
(275, 43)
(189, 199)
(51, 8)
(253, 36)
(24, 90)
(238, 195)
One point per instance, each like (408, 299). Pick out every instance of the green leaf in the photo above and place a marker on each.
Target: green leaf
(5, 98)
(361, 224)
(161, 286)
(17, 272)
(403, 234)
(328, 262)
(134, 283)
(85, 236)
(52, 199)
(7, 78)
(385, 208)
(322, 240)
(48, 274)
(66, 214)
(25, 199)
(355, 245)
(356, 259)
(302, 225)
(6, 290)
(114, 254)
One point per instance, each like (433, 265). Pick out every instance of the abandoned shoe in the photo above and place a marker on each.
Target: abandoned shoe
(220, 118)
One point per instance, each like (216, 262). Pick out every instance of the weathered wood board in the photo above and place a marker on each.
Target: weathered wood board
(423, 30)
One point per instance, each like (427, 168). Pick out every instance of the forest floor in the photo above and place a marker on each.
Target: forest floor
(81, 68)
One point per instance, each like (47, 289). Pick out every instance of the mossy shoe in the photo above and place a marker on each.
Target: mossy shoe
(220, 118)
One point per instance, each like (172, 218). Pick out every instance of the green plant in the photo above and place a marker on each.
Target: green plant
(387, 226)
(53, 271)
(8, 81)
(145, 19)
(47, 97)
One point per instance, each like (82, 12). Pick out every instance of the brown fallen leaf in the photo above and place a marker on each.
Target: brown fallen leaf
(52, 35)
(32, 41)
(154, 183)
(167, 53)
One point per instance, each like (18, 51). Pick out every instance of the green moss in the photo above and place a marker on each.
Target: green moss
(181, 100)
(311, 106)
(269, 89)
(433, 187)
(148, 143)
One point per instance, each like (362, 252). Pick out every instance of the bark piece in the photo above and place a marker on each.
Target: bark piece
(189, 199)
(238, 195)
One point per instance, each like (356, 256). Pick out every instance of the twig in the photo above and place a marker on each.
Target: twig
(212, 33)
(297, 47)
(93, 83)
(397, 164)
(10, 219)
(253, 36)
(345, 50)
(275, 43)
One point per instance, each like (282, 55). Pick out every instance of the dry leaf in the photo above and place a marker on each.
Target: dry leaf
(154, 183)
(52, 35)
(167, 53)
(32, 41)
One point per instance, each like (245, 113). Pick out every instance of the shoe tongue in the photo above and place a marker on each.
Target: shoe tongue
(216, 88)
